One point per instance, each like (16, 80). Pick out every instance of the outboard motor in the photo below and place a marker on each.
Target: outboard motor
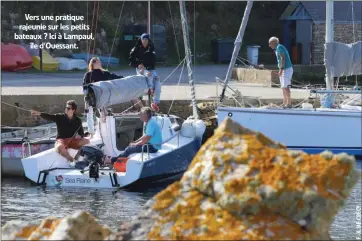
(93, 157)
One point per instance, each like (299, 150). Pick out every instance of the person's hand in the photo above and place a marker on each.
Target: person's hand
(141, 68)
(35, 113)
(132, 144)
(280, 72)
(77, 137)
(149, 74)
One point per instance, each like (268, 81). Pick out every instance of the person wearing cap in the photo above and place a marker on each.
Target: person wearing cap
(285, 69)
(143, 58)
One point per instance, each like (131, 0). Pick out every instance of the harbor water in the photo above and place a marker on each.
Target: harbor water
(22, 200)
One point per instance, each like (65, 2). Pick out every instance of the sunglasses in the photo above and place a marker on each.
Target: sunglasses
(68, 108)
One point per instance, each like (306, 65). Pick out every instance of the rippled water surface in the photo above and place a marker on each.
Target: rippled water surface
(22, 200)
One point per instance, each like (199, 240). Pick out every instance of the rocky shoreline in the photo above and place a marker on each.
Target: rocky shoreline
(240, 185)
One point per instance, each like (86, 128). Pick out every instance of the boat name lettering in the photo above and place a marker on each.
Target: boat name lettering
(77, 180)
(150, 164)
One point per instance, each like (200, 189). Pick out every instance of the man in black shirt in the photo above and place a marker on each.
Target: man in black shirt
(69, 127)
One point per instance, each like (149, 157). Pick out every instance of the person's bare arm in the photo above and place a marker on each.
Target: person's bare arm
(282, 60)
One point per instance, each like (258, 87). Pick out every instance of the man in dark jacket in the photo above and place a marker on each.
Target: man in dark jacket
(69, 128)
(143, 58)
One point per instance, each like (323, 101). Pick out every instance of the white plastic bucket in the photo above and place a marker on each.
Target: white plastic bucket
(253, 54)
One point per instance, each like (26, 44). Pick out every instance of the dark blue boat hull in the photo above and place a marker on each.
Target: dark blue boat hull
(168, 167)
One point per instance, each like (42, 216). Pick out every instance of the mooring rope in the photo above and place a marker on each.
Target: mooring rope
(15, 106)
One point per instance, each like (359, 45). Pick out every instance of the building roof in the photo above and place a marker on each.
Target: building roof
(317, 11)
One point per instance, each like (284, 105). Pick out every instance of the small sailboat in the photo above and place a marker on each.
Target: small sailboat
(113, 132)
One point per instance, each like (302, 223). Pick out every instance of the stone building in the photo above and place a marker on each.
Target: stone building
(304, 28)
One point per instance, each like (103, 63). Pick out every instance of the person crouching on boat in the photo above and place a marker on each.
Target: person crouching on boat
(285, 69)
(143, 58)
(69, 128)
(150, 141)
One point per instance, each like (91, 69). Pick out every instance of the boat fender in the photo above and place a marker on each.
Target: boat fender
(200, 127)
(193, 128)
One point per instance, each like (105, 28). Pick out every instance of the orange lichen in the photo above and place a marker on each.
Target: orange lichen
(44, 229)
(246, 186)
(26, 231)
(214, 223)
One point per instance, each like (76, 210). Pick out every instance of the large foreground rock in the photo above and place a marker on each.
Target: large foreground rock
(241, 185)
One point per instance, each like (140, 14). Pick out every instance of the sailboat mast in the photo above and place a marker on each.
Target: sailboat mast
(329, 35)
(149, 18)
(185, 32)
(237, 45)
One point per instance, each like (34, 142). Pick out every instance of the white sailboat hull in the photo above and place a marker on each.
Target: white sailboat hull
(310, 130)
(178, 149)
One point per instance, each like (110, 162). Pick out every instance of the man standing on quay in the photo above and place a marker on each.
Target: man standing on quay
(285, 69)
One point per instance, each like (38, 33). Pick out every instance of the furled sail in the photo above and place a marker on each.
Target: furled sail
(106, 93)
(343, 59)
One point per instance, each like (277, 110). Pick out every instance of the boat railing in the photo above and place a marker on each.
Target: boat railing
(167, 140)
(148, 151)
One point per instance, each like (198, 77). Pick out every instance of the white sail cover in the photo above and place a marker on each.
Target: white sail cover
(119, 91)
(343, 59)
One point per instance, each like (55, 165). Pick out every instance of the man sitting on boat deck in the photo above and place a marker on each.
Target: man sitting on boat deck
(150, 141)
(285, 69)
(143, 58)
(69, 128)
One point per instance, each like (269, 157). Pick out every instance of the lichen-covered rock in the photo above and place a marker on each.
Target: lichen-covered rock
(79, 226)
(242, 185)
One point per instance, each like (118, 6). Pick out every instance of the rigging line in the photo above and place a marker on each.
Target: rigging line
(354, 37)
(115, 33)
(95, 30)
(130, 107)
(178, 84)
(90, 44)
(87, 22)
(15, 106)
(194, 35)
(174, 70)
(174, 33)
